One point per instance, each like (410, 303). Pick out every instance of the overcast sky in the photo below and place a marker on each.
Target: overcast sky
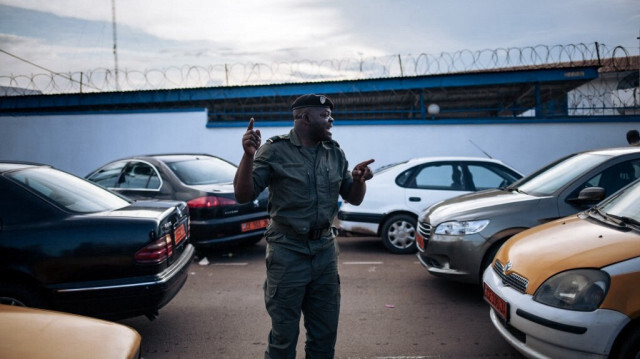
(77, 35)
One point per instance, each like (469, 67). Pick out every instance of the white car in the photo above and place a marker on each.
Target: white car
(399, 192)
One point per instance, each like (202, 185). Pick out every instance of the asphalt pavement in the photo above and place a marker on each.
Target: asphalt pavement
(391, 308)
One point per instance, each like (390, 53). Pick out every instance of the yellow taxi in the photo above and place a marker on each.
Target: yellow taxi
(571, 288)
(27, 333)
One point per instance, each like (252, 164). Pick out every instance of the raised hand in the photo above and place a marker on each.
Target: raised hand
(251, 139)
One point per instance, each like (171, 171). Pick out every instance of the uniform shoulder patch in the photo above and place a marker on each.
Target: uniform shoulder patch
(278, 138)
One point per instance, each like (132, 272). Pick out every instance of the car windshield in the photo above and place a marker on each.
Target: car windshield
(68, 191)
(203, 170)
(625, 204)
(558, 175)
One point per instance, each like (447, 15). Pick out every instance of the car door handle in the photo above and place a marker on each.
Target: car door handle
(415, 199)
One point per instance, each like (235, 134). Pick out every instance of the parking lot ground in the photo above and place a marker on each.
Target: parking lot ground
(391, 308)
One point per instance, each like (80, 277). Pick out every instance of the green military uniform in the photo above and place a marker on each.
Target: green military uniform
(302, 265)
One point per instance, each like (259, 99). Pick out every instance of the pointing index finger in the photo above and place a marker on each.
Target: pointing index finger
(366, 163)
(250, 124)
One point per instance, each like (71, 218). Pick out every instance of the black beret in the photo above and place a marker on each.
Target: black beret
(312, 100)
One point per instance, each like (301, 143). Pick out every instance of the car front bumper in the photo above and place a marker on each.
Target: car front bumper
(453, 257)
(130, 298)
(540, 331)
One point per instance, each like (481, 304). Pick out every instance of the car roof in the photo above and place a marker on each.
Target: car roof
(453, 158)
(6, 166)
(170, 157)
(614, 151)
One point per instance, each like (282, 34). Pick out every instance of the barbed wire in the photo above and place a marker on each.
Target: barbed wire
(615, 60)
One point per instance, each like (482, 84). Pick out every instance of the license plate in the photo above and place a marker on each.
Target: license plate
(498, 304)
(253, 225)
(179, 234)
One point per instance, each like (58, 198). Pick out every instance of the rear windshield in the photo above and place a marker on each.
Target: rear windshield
(388, 167)
(547, 182)
(68, 191)
(203, 170)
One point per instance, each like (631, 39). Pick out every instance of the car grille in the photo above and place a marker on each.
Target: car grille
(424, 229)
(513, 280)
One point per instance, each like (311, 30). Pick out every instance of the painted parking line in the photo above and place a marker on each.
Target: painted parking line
(230, 264)
(362, 263)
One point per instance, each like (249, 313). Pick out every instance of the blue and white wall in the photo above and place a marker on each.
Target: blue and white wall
(79, 143)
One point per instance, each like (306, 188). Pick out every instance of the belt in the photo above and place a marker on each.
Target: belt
(312, 235)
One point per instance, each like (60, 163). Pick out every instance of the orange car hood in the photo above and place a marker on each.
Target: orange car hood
(28, 333)
(567, 243)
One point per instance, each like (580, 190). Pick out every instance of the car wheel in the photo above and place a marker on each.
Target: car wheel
(399, 234)
(21, 295)
(488, 258)
(629, 346)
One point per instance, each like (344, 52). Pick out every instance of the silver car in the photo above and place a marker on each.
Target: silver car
(458, 238)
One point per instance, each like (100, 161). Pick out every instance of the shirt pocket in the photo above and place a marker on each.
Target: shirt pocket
(331, 182)
(294, 183)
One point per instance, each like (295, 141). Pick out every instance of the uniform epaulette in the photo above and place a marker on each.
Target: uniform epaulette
(278, 138)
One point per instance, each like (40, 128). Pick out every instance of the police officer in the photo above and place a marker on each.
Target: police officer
(305, 171)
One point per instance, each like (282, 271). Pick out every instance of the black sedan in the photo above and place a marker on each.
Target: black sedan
(205, 182)
(70, 245)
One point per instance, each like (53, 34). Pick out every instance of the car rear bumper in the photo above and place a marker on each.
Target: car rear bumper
(202, 242)
(137, 296)
(361, 223)
(225, 231)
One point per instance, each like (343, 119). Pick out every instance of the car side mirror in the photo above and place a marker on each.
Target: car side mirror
(589, 195)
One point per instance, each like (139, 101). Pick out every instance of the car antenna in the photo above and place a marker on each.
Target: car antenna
(483, 151)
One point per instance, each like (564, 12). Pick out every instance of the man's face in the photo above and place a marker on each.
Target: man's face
(321, 123)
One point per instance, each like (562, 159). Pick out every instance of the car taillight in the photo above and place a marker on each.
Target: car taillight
(210, 201)
(155, 252)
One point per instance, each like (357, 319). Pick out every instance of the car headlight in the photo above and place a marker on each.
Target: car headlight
(579, 289)
(460, 228)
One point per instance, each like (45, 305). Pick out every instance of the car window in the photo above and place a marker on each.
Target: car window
(108, 175)
(140, 175)
(438, 176)
(612, 178)
(486, 177)
(547, 182)
(20, 207)
(68, 191)
(203, 170)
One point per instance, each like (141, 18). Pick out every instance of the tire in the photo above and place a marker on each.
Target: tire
(628, 346)
(21, 295)
(488, 258)
(399, 234)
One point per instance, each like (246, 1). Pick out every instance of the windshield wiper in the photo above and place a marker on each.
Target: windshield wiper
(597, 211)
(606, 217)
(624, 219)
